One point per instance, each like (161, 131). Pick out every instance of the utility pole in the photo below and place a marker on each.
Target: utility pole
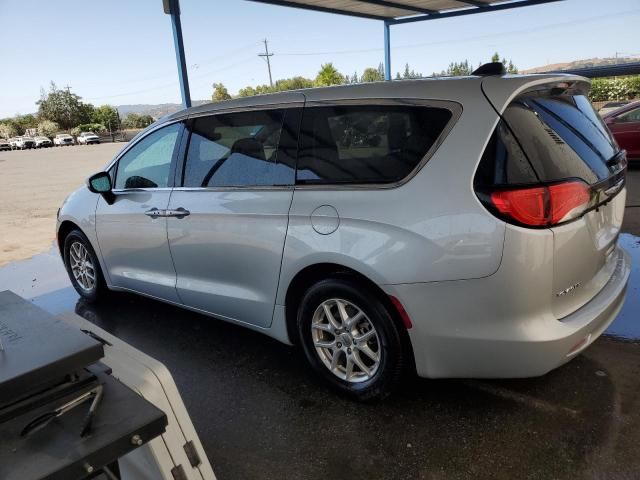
(68, 109)
(267, 55)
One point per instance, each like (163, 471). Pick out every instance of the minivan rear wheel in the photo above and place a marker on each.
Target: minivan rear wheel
(83, 267)
(350, 339)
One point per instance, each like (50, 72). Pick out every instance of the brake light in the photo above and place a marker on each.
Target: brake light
(543, 205)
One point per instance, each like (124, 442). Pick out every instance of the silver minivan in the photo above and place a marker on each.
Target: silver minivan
(462, 227)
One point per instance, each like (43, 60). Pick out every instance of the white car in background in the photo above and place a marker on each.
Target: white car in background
(63, 139)
(42, 142)
(86, 138)
(20, 143)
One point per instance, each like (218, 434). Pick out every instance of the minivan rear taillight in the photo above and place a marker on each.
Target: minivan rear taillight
(543, 205)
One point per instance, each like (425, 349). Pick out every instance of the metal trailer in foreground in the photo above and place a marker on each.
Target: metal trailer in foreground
(175, 455)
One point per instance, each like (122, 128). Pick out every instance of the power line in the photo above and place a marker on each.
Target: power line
(168, 85)
(194, 66)
(464, 39)
(266, 55)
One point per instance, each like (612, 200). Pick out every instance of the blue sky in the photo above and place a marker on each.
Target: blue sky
(121, 51)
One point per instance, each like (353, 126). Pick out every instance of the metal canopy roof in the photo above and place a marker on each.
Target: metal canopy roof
(405, 11)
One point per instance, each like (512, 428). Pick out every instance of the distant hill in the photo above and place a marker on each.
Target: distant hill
(589, 62)
(156, 111)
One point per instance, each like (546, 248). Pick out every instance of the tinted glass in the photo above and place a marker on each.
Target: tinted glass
(148, 163)
(630, 116)
(562, 137)
(238, 149)
(366, 144)
(504, 162)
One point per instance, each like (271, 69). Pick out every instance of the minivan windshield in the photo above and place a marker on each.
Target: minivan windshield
(563, 137)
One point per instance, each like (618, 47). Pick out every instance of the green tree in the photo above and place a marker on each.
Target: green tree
(282, 85)
(352, 79)
(88, 127)
(47, 128)
(371, 75)
(63, 107)
(294, 83)
(220, 93)
(508, 64)
(247, 92)
(457, 69)
(7, 130)
(408, 73)
(22, 122)
(135, 120)
(108, 116)
(329, 75)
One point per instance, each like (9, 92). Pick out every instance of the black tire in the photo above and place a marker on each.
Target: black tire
(99, 288)
(393, 355)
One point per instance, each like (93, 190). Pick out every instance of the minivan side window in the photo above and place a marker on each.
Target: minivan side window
(562, 136)
(366, 143)
(241, 149)
(148, 163)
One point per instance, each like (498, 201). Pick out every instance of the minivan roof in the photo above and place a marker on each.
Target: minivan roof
(438, 88)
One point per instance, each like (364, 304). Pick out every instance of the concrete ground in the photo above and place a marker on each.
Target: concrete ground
(261, 414)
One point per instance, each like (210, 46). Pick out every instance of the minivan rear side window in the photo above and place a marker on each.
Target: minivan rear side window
(562, 136)
(240, 149)
(351, 144)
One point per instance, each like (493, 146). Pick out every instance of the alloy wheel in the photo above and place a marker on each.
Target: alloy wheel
(345, 340)
(82, 266)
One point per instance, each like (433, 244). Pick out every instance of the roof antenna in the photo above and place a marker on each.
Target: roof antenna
(493, 68)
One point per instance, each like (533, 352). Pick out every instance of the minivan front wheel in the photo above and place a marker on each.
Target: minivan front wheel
(350, 339)
(82, 266)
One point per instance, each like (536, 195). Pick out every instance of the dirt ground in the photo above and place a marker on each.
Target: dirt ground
(34, 185)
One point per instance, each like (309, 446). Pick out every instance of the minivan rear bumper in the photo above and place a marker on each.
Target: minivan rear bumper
(469, 340)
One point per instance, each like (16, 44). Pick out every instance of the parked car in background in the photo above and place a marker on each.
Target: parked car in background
(21, 143)
(87, 138)
(611, 106)
(42, 142)
(63, 139)
(4, 144)
(464, 227)
(624, 123)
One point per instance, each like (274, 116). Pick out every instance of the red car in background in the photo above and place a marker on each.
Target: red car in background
(624, 123)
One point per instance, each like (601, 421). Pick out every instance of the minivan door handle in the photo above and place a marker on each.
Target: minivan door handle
(177, 213)
(154, 213)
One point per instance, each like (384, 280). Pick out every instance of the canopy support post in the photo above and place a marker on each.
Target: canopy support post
(387, 51)
(172, 7)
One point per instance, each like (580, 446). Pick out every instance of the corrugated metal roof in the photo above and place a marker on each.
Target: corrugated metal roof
(393, 10)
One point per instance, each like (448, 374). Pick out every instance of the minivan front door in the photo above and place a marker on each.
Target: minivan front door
(227, 243)
(132, 232)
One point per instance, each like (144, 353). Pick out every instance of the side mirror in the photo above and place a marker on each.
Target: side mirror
(101, 183)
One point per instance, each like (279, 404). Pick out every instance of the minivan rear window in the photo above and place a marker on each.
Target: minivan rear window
(366, 143)
(562, 137)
